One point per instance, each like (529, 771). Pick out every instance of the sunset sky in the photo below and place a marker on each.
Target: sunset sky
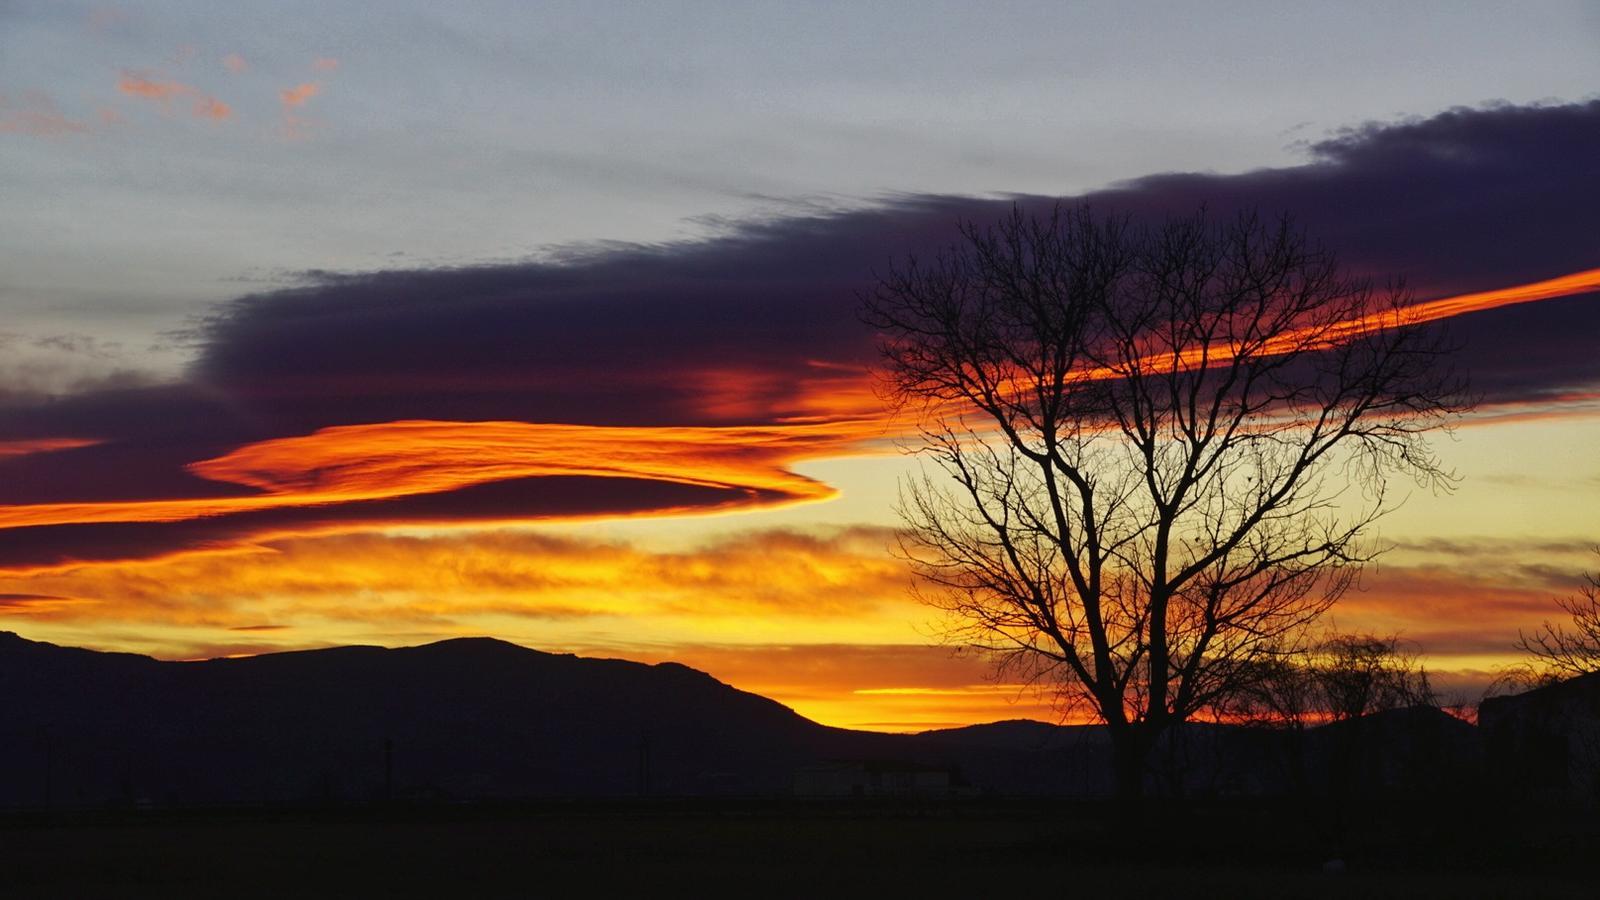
(326, 324)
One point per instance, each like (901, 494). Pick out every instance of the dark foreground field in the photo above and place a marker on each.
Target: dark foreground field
(785, 849)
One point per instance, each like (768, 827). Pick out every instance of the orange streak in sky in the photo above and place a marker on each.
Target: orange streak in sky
(380, 461)
(394, 459)
(1549, 289)
(1323, 336)
(12, 449)
(1444, 308)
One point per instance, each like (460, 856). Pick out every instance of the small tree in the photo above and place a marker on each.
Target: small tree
(1563, 652)
(1338, 678)
(1360, 674)
(1161, 447)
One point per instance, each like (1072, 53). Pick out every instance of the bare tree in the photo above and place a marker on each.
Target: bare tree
(1160, 447)
(1338, 678)
(1562, 652)
(1360, 674)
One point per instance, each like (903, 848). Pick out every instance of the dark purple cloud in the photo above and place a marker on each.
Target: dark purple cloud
(732, 330)
(519, 498)
(1467, 200)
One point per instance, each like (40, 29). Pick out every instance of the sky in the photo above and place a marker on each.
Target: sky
(326, 324)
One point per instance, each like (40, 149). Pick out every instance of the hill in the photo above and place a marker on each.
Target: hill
(482, 719)
(461, 719)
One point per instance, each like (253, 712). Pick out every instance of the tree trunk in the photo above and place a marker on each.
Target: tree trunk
(1128, 752)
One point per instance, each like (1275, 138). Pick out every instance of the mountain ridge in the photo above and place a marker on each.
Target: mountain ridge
(474, 719)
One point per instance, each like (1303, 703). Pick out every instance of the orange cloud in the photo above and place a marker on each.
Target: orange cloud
(1549, 289)
(821, 621)
(1332, 334)
(294, 126)
(395, 459)
(212, 108)
(205, 106)
(140, 86)
(325, 64)
(12, 449)
(834, 602)
(235, 63)
(299, 94)
(839, 574)
(1554, 405)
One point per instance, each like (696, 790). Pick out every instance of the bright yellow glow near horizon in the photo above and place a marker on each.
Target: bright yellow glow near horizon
(804, 603)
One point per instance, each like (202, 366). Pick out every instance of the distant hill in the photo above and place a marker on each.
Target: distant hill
(469, 718)
(477, 718)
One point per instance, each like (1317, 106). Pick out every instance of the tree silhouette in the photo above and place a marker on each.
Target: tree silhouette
(1160, 447)
(1563, 652)
(1360, 674)
(1337, 678)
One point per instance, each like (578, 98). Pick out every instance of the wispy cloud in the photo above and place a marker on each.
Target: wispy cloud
(35, 114)
(235, 63)
(144, 86)
(292, 99)
(299, 94)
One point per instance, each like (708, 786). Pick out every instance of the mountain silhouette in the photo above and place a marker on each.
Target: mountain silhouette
(477, 719)
(470, 718)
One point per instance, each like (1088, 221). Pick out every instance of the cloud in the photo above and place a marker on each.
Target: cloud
(807, 617)
(299, 94)
(235, 63)
(736, 356)
(843, 573)
(10, 449)
(1465, 600)
(205, 106)
(137, 85)
(18, 600)
(295, 125)
(555, 591)
(212, 108)
(105, 18)
(552, 589)
(35, 369)
(36, 115)
(325, 64)
(422, 471)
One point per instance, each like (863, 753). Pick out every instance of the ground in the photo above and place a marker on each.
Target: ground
(770, 848)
